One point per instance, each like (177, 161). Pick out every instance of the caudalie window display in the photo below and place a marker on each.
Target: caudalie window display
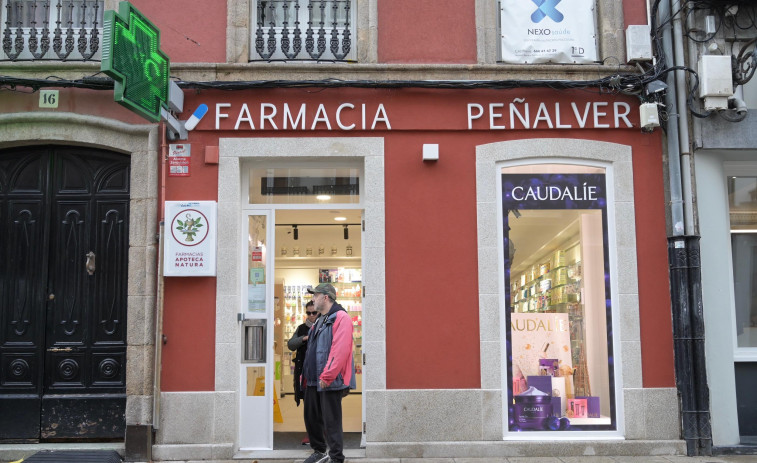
(558, 304)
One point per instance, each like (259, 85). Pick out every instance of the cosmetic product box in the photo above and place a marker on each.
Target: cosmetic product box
(542, 383)
(592, 407)
(531, 411)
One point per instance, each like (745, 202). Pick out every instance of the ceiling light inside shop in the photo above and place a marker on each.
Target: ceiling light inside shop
(340, 219)
(323, 197)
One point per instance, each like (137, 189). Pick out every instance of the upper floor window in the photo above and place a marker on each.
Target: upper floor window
(547, 31)
(67, 30)
(313, 30)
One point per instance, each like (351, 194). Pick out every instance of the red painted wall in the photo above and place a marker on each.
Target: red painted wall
(77, 101)
(189, 313)
(189, 320)
(431, 264)
(634, 12)
(190, 32)
(426, 31)
(657, 360)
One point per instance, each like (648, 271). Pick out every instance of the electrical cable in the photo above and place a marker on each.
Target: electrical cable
(628, 83)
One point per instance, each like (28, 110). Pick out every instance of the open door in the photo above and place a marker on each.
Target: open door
(256, 372)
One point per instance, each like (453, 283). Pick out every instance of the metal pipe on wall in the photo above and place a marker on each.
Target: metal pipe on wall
(678, 257)
(160, 296)
(683, 251)
(683, 121)
(673, 146)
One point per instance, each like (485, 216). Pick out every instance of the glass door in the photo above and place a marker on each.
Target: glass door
(256, 359)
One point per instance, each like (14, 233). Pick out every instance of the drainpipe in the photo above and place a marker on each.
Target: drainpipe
(701, 388)
(683, 252)
(160, 289)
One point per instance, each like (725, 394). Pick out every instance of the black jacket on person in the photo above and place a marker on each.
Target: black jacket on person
(300, 346)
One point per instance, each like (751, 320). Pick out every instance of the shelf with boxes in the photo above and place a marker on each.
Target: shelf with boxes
(295, 298)
(551, 286)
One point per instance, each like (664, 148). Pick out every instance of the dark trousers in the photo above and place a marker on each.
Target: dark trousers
(323, 421)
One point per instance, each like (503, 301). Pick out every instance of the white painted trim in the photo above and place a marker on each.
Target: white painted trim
(232, 151)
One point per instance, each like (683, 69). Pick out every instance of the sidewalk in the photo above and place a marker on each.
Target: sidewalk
(587, 459)
(666, 459)
(583, 459)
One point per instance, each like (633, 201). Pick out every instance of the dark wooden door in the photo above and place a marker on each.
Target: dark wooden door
(63, 273)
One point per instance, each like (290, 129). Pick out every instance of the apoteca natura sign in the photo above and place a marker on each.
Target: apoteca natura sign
(190, 239)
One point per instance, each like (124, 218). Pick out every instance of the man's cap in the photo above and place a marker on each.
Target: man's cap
(324, 288)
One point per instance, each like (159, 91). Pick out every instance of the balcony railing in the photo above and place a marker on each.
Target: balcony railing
(65, 30)
(325, 27)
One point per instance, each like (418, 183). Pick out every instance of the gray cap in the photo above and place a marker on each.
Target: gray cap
(324, 288)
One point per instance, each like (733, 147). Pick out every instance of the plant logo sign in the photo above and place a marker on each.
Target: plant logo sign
(190, 238)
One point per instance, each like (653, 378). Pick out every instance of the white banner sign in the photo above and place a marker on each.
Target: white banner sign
(190, 239)
(548, 31)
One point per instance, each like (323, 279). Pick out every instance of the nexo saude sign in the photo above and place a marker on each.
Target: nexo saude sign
(546, 9)
(549, 33)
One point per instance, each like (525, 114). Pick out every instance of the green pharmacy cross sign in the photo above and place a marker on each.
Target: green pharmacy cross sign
(132, 57)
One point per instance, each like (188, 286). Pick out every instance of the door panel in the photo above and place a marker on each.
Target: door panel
(23, 275)
(79, 300)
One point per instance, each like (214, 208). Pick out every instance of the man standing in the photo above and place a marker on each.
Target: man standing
(328, 374)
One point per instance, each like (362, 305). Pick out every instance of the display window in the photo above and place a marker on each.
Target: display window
(558, 298)
(742, 206)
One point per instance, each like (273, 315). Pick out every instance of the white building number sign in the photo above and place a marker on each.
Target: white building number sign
(548, 31)
(190, 239)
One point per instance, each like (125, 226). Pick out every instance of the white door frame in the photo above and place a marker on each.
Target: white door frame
(231, 197)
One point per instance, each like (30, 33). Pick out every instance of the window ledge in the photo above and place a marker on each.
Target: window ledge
(323, 71)
(387, 72)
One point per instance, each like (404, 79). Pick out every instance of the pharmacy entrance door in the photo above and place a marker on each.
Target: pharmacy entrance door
(326, 249)
(289, 250)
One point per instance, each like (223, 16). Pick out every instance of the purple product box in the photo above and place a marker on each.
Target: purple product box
(592, 406)
(557, 406)
(548, 367)
(542, 383)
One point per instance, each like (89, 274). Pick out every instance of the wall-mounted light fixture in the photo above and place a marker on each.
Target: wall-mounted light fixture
(295, 228)
(430, 152)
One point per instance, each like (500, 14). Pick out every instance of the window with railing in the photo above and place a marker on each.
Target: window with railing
(66, 30)
(310, 30)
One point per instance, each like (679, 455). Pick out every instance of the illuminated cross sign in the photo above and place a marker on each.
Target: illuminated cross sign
(132, 57)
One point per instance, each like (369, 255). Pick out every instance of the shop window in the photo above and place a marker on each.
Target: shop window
(742, 204)
(51, 30)
(305, 185)
(313, 30)
(558, 298)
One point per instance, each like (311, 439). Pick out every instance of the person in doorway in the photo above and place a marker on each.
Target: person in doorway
(299, 343)
(328, 374)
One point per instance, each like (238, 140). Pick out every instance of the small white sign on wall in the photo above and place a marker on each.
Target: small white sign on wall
(548, 31)
(190, 239)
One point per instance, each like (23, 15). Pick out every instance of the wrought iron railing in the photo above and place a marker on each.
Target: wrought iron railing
(325, 27)
(72, 27)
